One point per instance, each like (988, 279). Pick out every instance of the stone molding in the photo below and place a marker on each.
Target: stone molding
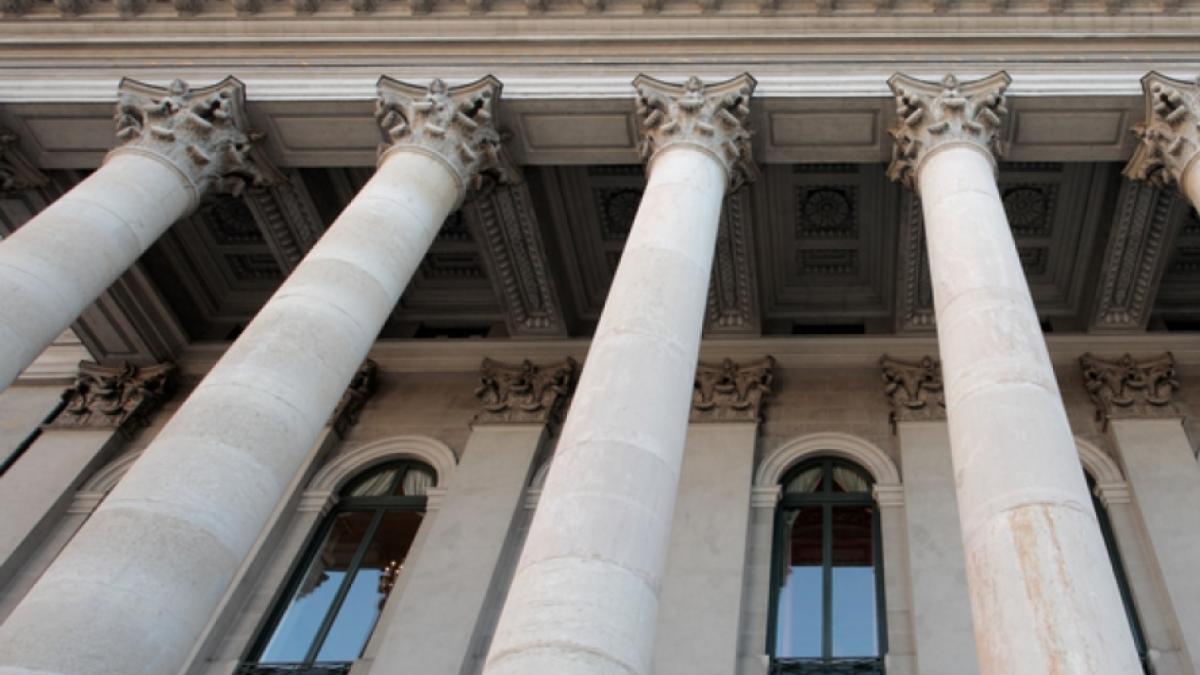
(731, 392)
(115, 397)
(732, 308)
(1129, 388)
(202, 132)
(524, 393)
(1169, 136)
(913, 389)
(362, 387)
(288, 218)
(932, 116)
(710, 117)
(16, 172)
(914, 293)
(454, 124)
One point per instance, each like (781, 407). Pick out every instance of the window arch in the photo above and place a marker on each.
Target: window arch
(827, 607)
(336, 593)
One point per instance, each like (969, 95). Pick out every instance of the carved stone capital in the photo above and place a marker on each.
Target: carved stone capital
(524, 393)
(454, 124)
(16, 172)
(115, 397)
(932, 116)
(731, 392)
(362, 387)
(202, 132)
(914, 390)
(1169, 137)
(710, 117)
(1129, 388)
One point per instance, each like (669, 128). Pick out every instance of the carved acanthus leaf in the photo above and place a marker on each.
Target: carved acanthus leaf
(457, 124)
(116, 397)
(362, 387)
(712, 117)
(933, 115)
(1131, 388)
(203, 132)
(1169, 137)
(731, 392)
(16, 172)
(914, 390)
(524, 392)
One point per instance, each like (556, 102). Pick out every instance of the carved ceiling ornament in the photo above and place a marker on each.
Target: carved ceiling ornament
(115, 397)
(932, 116)
(203, 132)
(454, 124)
(1169, 137)
(711, 117)
(914, 390)
(732, 307)
(1129, 388)
(731, 392)
(16, 172)
(362, 387)
(524, 393)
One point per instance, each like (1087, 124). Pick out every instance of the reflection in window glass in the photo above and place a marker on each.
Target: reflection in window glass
(798, 631)
(852, 593)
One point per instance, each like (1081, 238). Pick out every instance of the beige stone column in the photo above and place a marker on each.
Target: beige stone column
(191, 508)
(1040, 603)
(584, 598)
(177, 144)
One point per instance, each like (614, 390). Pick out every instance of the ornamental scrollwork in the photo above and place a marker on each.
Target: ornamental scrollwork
(525, 392)
(1169, 137)
(731, 392)
(1131, 388)
(914, 390)
(117, 397)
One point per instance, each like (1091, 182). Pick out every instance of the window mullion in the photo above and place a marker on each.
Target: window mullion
(344, 589)
(827, 581)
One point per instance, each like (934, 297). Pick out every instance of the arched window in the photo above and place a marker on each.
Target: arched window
(1114, 556)
(827, 576)
(338, 590)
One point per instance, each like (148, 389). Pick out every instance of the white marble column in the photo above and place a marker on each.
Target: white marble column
(1040, 603)
(177, 144)
(135, 588)
(584, 598)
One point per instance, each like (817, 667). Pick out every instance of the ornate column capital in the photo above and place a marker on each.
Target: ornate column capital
(115, 397)
(731, 392)
(202, 133)
(711, 117)
(914, 390)
(1169, 137)
(933, 116)
(524, 393)
(16, 172)
(362, 387)
(453, 124)
(1129, 388)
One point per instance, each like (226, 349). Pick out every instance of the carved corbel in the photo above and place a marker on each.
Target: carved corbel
(914, 390)
(1169, 137)
(16, 172)
(1129, 388)
(362, 387)
(115, 397)
(731, 392)
(524, 393)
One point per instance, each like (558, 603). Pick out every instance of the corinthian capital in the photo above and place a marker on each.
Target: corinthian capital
(455, 124)
(932, 116)
(731, 392)
(1131, 388)
(524, 392)
(710, 117)
(16, 172)
(202, 132)
(914, 390)
(119, 397)
(1170, 135)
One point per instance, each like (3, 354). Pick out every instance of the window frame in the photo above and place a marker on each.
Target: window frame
(1118, 566)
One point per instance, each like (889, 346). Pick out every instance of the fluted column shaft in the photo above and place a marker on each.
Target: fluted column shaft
(134, 589)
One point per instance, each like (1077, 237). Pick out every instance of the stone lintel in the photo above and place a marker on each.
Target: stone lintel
(524, 393)
(115, 397)
(913, 389)
(732, 392)
(1129, 388)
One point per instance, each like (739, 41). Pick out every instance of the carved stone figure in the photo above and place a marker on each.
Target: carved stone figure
(362, 387)
(1169, 138)
(525, 393)
(119, 397)
(914, 390)
(1131, 388)
(731, 392)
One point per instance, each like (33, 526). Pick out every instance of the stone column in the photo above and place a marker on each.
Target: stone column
(1135, 400)
(448, 586)
(190, 509)
(177, 144)
(1040, 603)
(706, 564)
(584, 598)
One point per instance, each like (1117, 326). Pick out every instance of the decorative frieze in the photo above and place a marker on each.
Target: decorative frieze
(16, 172)
(712, 117)
(731, 392)
(1131, 388)
(202, 132)
(455, 124)
(362, 387)
(914, 390)
(115, 397)
(524, 393)
(1169, 137)
(931, 116)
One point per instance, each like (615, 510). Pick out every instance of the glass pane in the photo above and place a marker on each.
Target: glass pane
(383, 560)
(296, 629)
(849, 480)
(854, 618)
(798, 615)
(417, 479)
(805, 481)
(375, 484)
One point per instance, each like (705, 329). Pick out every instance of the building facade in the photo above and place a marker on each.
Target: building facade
(610, 337)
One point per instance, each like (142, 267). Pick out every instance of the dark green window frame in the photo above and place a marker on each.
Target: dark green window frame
(1118, 567)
